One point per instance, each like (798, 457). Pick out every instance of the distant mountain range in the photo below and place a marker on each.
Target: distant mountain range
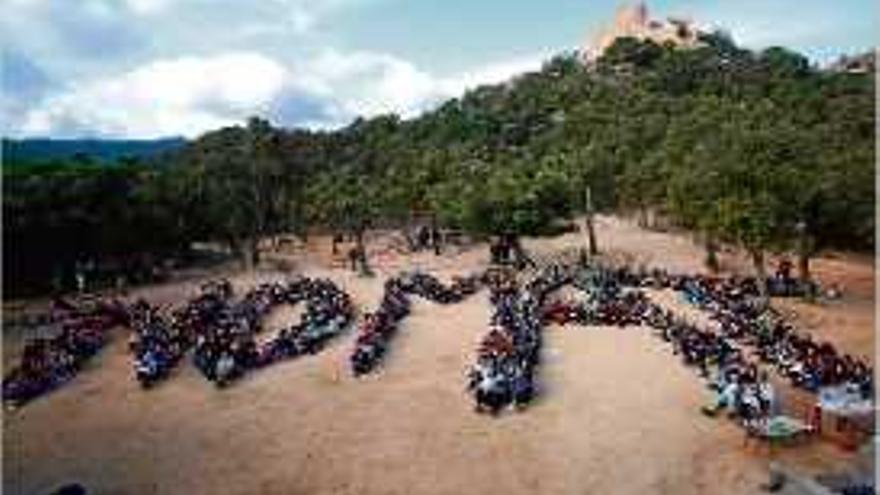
(99, 149)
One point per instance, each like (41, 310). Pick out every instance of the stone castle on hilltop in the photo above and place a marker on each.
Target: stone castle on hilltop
(635, 22)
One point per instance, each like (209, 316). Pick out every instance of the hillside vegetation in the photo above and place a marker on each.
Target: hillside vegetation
(758, 149)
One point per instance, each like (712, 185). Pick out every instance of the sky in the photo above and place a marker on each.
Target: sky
(151, 68)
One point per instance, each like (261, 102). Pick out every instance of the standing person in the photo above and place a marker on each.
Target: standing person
(784, 269)
(337, 238)
(435, 240)
(353, 257)
(495, 252)
(120, 284)
(520, 257)
(362, 260)
(80, 278)
(422, 238)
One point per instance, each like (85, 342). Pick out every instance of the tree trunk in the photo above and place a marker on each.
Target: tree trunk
(711, 254)
(359, 238)
(591, 235)
(805, 250)
(236, 251)
(591, 230)
(643, 217)
(760, 272)
(435, 235)
(804, 266)
(362, 251)
(251, 253)
(246, 260)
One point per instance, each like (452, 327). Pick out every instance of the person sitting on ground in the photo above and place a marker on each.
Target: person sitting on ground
(523, 390)
(766, 395)
(727, 398)
(225, 368)
(491, 391)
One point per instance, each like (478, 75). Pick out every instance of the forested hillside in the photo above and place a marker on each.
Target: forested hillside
(758, 149)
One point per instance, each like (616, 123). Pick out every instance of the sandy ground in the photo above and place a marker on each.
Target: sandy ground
(618, 413)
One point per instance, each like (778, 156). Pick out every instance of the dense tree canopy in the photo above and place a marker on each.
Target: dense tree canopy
(759, 149)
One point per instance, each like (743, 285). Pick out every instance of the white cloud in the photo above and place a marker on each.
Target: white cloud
(84, 38)
(364, 83)
(368, 84)
(156, 67)
(147, 7)
(180, 96)
(190, 95)
(494, 72)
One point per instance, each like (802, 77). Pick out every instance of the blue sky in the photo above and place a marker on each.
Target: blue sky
(146, 68)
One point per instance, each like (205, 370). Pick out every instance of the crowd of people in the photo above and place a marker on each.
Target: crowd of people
(503, 374)
(46, 363)
(744, 323)
(429, 287)
(328, 311)
(510, 351)
(223, 331)
(160, 340)
(227, 348)
(795, 355)
(717, 356)
(157, 344)
(378, 327)
(748, 338)
(741, 387)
